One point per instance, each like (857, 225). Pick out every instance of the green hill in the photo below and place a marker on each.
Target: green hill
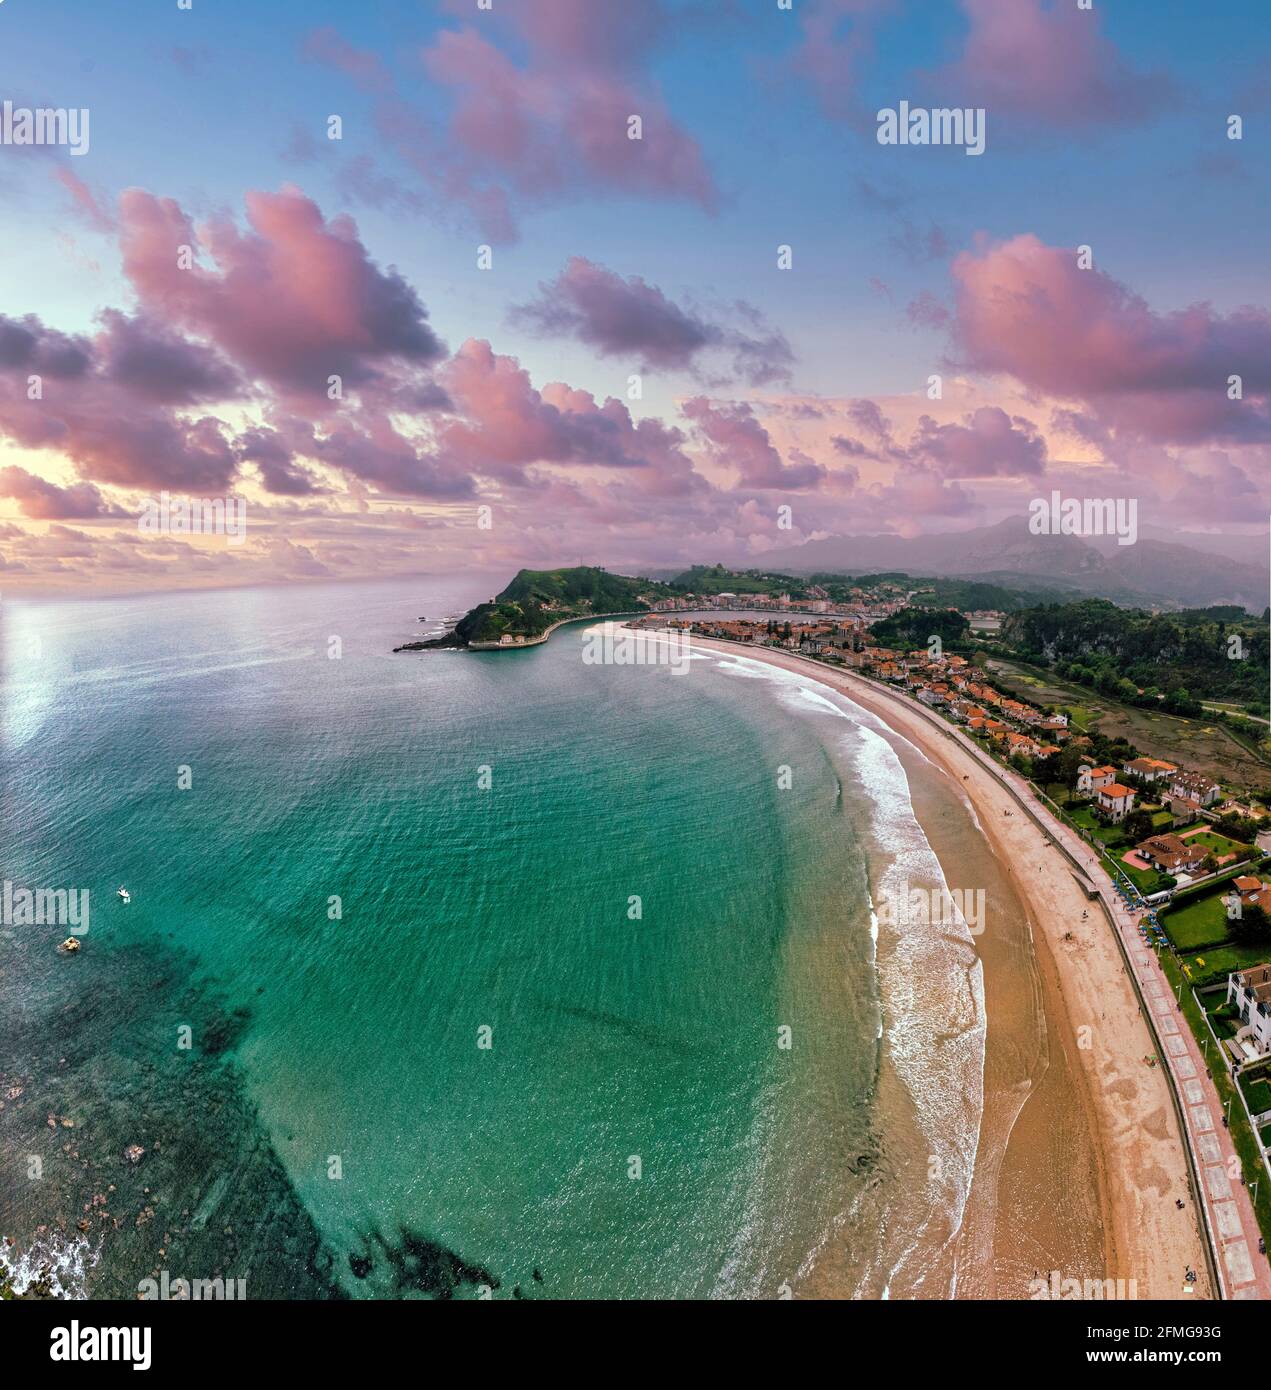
(1174, 659)
(535, 599)
(717, 579)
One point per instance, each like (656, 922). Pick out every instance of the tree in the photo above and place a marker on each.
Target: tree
(1069, 762)
(1138, 826)
(1251, 925)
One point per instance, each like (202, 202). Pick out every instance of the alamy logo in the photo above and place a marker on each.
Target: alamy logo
(918, 125)
(44, 907)
(911, 906)
(165, 1289)
(76, 1343)
(45, 125)
(194, 516)
(1056, 1286)
(1085, 516)
(611, 645)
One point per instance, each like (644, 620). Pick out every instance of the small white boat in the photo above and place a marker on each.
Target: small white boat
(123, 894)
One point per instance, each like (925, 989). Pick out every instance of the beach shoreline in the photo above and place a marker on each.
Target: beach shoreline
(1092, 1012)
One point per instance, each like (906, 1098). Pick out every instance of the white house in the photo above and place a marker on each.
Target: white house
(1116, 800)
(1149, 769)
(1091, 779)
(1250, 991)
(1195, 786)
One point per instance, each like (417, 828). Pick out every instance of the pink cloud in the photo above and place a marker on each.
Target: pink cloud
(84, 201)
(631, 318)
(835, 47)
(1048, 62)
(540, 116)
(155, 363)
(295, 300)
(328, 46)
(45, 501)
(113, 434)
(503, 423)
(735, 439)
(1028, 310)
(550, 133)
(986, 443)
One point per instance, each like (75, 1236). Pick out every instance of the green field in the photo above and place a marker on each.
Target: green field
(1147, 881)
(1080, 718)
(1197, 922)
(1216, 963)
(1224, 1018)
(1218, 845)
(1191, 743)
(1084, 818)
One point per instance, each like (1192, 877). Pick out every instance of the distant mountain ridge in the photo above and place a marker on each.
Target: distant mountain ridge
(1150, 571)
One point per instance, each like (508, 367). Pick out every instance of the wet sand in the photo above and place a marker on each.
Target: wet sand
(1080, 1159)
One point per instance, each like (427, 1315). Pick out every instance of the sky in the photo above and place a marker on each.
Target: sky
(490, 283)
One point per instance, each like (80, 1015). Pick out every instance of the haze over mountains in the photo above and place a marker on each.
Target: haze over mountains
(1196, 572)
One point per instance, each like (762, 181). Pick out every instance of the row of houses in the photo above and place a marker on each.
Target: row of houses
(951, 684)
(1184, 794)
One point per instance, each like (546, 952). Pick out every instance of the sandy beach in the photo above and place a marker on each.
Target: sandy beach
(1122, 1153)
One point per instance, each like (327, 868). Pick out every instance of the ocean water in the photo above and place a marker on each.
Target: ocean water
(451, 972)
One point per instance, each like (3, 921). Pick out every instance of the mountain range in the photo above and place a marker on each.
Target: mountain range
(1195, 572)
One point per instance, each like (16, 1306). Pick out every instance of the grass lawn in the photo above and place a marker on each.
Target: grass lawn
(1113, 837)
(1080, 717)
(1257, 1089)
(1162, 820)
(1218, 845)
(1198, 922)
(1082, 815)
(1218, 962)
(1224, 1018)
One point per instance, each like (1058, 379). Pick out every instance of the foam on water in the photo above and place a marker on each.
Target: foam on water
(931, 981)
(53, 1260)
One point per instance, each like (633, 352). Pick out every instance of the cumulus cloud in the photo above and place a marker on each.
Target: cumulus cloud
(633, 319)
(45, 501)
(986, 443)
(735, 439)
(1027, 310)
(539, 116)
(504, 423)
(1050, 63)
(294, 300)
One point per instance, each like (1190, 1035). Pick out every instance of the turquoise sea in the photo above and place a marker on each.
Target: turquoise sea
(242, 759)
